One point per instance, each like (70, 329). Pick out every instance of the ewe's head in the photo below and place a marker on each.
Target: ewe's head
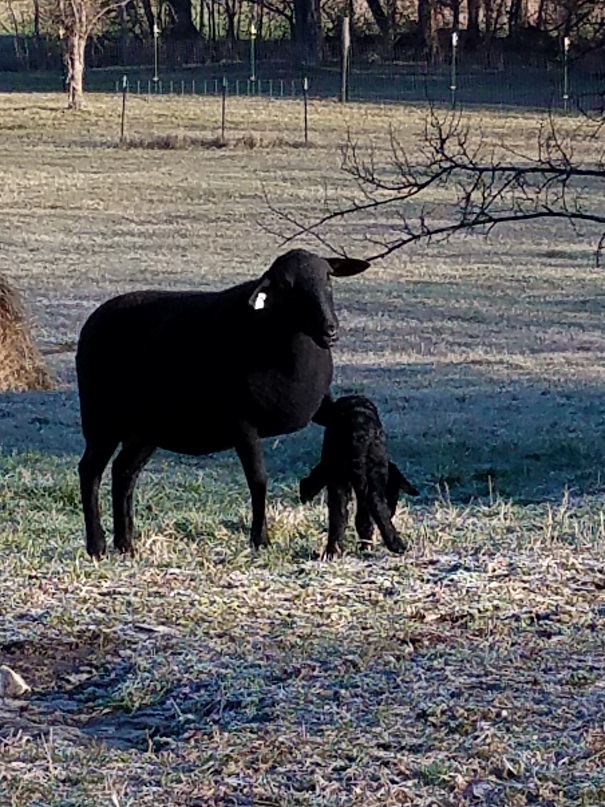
(298, 287)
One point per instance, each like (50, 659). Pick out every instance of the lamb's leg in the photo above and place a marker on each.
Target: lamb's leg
(124, 474)
(311, 485)
(380, 513)
(250, 452)
(91, 467)
(363, 521)
(338, 499)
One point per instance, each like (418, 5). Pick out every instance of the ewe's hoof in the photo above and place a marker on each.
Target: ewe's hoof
(97, 552)
(259, 541)
(125, 549)
(330, 553)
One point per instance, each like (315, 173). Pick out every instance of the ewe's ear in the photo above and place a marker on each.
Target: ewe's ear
(259, 295)
(346, 267)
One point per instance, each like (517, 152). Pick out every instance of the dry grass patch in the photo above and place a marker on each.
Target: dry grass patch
(176, 141)
(21, 365)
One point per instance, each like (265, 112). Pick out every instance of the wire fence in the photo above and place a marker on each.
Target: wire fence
(462, 78)
(527, 88)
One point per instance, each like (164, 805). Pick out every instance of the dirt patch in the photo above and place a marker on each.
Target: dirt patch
(78, 696)
(59, 670)
(48, 664)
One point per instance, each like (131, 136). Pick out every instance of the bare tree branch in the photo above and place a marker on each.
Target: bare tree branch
(455, 183)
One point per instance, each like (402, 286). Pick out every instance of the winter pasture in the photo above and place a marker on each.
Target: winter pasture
(470, 671)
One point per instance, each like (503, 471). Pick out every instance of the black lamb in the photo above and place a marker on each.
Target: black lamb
(354, 458)
(199, 372)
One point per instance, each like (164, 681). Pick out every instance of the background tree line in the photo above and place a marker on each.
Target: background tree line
(383, 29)
(303, 32)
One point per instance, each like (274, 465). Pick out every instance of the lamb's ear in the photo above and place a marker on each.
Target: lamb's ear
(258, 297)
(396, 478)
(346, 267)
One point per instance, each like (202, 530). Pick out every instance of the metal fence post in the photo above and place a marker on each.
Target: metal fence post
(566, 43)
(252, 51)
(306, 103)
(453, 72)
(156, 54)
(346, 46)
(123, 121)
(224, 109)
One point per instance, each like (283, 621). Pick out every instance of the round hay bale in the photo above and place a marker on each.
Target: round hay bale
(21, 365)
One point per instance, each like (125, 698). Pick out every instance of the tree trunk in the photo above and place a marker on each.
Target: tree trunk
(473, 22)
(74, 61)
(456, 15)
(307, 27)
(183, 27)
(428, 26)
(37, 19)
(515, 16)
(230, 15)
(380, 18)
(148, 15)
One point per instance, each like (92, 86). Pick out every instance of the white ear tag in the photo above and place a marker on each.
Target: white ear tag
(260, 301)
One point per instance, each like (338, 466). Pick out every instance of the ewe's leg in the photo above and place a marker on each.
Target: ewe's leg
(381, 515)
(338, 499)
(323, 414)
(250, 452)
(91, 467)
(311, 485)
(124, 474)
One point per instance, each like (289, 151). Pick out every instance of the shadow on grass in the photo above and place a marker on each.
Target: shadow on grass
(449, 429)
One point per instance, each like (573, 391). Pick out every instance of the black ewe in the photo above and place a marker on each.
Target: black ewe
(354, 458)
(199, 372)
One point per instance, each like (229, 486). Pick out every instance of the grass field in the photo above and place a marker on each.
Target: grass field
(472, 670)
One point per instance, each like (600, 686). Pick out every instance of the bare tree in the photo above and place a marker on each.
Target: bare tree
(76, 20)
(457, 182)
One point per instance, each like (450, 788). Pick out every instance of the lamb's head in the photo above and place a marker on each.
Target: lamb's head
(298, 288)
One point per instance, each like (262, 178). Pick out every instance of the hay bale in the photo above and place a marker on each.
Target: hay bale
(21, 365)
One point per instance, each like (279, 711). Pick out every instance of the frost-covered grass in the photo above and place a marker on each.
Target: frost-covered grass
(467, 672)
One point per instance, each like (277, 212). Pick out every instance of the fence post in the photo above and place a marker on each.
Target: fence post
(223, 109)
(123, 121)
(306, 103)
(346, 46)
(253, 33)
(156, 51)
(566, 43)
(453, 71)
